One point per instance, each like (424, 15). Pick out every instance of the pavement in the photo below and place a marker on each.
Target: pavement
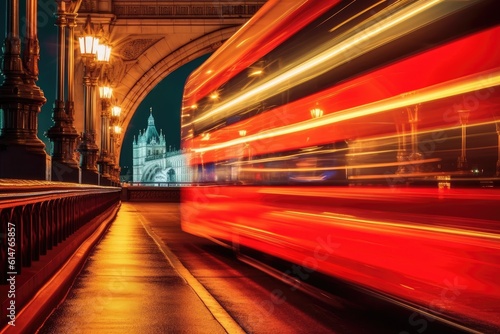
(132, 283)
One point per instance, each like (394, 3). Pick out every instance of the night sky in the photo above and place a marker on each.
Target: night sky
(165, 99)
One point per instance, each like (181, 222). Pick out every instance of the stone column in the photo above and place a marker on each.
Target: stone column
(62, 133)
(111, 156)
(88, 148)
(103, 161)
(72, 134)
(22, 153)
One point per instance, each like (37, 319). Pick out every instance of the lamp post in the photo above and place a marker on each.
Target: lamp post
(462, 164)
(497, 124)
(115, 131)
(402, 153)
(415, 155)
(316, 112)
(70, 104)
(246, 146)
(87, 148)
(63, 134)
(94, 56)
(105, 93)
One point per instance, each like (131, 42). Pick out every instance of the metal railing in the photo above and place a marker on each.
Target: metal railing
(36, 216)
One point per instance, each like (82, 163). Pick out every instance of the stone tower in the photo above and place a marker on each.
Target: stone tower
(147, 146)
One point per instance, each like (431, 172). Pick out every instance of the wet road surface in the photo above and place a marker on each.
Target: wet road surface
(127, 286)
(148, 276)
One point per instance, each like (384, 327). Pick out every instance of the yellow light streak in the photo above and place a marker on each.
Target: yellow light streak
(336, 54)
(255, 73)
(406, 286)
(420, 132)
(432, 93)
(311, 169)
(355, 16)
(438, 175)
(286, 157)
(339, 218)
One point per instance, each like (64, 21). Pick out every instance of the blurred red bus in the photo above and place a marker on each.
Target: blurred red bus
(335, 134)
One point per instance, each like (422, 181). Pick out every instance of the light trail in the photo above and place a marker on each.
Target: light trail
(443, 90)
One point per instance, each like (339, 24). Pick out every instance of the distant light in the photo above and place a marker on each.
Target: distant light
(255, 73)
(116, 111)
(316, 112)
(105, 91)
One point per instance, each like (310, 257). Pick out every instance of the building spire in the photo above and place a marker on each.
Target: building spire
(151, 120)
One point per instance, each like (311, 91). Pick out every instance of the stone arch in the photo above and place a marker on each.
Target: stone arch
(149, 42)
(150, 172)
(133, 90)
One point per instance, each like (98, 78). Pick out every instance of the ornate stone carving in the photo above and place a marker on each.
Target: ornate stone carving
(89, 6)
(135, 48)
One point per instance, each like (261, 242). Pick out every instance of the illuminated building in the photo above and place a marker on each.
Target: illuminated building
(151, 160)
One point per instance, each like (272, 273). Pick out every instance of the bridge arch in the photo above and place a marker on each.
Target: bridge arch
(150, 41)
(134, 89)
(150, 172)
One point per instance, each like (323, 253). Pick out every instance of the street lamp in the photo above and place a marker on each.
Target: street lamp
(214, 96)
(116, 111)
(462, 159)
(105, 93)
(88, 42)
(103, 52)
(497, 124)
(115, 131)
(413, 119)
(87, 148)
(316, 112)
(402, 153)
(94, 55)
(246, 146)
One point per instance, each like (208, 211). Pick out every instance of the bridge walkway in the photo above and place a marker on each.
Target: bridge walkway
(132, 283)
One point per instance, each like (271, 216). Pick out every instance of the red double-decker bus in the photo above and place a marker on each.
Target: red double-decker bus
(360, 140)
